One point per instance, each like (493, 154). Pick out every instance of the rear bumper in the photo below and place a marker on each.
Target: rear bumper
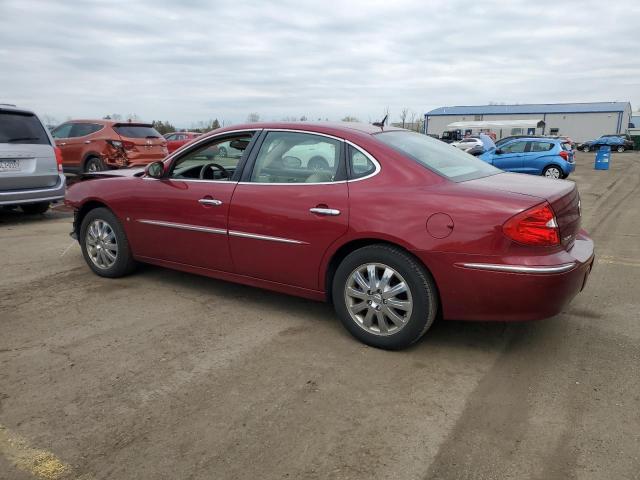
(49, 194)
(520, 290)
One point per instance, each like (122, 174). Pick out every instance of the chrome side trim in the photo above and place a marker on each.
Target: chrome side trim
(235, 233)
(184, 226)
(565, 267)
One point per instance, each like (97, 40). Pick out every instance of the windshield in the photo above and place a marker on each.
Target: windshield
(440, 157)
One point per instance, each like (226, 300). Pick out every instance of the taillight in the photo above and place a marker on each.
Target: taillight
(124, 145)
(564, 154)
(58, 151)
(536, 226)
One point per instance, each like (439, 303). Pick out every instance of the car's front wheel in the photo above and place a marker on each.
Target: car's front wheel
(104, 244)
(585, 148)
(384, 296)
(620, 149)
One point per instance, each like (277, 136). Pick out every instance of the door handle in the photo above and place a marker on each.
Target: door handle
(62, 144)
(325, 211)
(87, 141)
(210, 201)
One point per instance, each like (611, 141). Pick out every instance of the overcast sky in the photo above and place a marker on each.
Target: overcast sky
(192, 60)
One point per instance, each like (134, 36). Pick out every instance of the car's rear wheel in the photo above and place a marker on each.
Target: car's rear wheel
(104, 244)
(384, 296)
(620, 149)
(585, 148)
(35, 208)
(552, 171)
(93, 164)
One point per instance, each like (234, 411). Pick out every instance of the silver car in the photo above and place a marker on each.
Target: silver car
(30, 168)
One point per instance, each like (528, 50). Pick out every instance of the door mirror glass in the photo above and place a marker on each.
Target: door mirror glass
(155, 169)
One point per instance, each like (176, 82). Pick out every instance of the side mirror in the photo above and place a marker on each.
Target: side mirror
(155, 169)
(499, 151)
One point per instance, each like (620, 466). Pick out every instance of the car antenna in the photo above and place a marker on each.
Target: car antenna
(381, 123)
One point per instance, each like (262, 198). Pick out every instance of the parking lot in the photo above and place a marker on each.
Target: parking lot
(165, 374)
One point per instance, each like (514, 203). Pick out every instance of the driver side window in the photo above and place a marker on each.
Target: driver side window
(216, 160)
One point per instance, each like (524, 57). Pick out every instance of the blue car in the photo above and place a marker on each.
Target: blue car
(549, 157)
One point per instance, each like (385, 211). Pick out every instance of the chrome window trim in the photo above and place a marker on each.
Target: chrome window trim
(184, 226)
(565, 267)
(206, 139)
(236, 233)
(370, 157)
(363, 151)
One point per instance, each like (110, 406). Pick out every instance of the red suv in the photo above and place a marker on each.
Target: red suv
(94, 145)
(177, 139)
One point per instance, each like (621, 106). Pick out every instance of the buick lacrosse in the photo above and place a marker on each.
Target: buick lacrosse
(393, 227)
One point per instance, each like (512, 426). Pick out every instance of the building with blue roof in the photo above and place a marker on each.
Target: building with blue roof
(580, 121)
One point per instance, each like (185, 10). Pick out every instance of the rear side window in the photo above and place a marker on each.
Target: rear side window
(136, 131)
(541, 146)
(291, 157)
(567, 146)
(359, 164)
(84, 129)
(22, 128)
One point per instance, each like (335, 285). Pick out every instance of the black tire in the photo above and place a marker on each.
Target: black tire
(620, 149)
(35, 208)
(93, 164)
(586, 148)
(421, 286)
(124, 262)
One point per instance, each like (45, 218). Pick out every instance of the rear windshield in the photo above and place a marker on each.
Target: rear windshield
(440, 157)
(22, 128)
(136, 131)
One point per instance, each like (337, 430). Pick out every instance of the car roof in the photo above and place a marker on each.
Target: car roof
(538, 139)
(335, 128)
(110, 123)
(8, 107)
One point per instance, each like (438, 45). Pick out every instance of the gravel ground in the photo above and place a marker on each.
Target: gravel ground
(166, 375)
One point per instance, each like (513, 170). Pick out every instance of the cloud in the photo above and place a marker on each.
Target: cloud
(196, 60)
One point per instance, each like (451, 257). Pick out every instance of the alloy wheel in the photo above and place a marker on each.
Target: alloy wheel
(378, 299)
(101, 244)
(552, 172)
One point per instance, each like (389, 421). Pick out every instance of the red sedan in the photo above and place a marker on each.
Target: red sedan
(177, 139)
(394, 227)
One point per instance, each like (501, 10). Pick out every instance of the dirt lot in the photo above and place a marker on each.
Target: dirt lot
(165, 375)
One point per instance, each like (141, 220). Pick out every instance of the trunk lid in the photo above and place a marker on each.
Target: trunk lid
(562, 195)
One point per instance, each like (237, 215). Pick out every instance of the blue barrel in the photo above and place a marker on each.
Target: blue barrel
(603, 155)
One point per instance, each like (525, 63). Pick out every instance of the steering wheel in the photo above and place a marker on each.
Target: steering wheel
(225, 173)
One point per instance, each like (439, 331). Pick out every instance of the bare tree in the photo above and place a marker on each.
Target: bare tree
(403, 115)
(350, 118)
(253, 117)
